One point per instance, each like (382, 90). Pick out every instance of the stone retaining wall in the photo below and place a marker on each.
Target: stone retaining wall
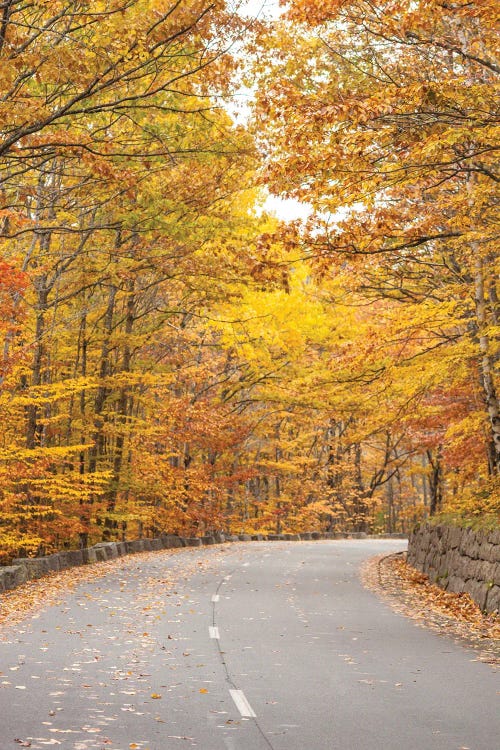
(459, 560)
(28, 568)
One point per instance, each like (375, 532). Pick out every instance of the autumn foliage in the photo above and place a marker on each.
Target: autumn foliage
(175, 359)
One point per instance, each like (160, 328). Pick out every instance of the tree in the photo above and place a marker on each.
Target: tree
(119, 173)
(383, 119)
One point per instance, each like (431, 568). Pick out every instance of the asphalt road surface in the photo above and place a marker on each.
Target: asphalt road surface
(256, 646)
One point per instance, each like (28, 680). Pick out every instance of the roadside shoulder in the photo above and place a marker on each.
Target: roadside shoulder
(410, 593)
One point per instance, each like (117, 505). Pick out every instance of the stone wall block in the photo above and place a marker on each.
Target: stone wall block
(433, 575)
(455, 584)
(156, 545)
(74, 558)
(438, 530)
(112, 550)
(487, 572)
(485, 550)
(100, 554)
(454, 537)
(493, 599)
(193, 541)
(430, 558)
(36, 566)
(456, 558)
(136, 545)
(420, 558)
(469, 546)
(496, 574)
(64, 560)
(14, 575)
(450, 561)
(425, 539)
(171, 541)
(54, 561)
(474, 569)
(475, 552)
(464, 567)
(109, 548)
(493, 537)
(478, 591)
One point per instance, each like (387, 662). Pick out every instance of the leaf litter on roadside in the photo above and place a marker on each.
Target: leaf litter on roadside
(410, 592)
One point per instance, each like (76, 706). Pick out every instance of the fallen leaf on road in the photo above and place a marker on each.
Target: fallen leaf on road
(178, 737)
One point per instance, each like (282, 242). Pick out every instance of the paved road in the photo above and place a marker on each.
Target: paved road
(259, 646)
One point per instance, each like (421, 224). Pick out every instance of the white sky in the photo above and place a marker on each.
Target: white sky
(259, 8)
(285, 209)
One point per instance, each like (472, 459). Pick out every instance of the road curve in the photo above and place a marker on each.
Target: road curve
(257, 646)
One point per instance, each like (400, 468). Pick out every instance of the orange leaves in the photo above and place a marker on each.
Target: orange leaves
(129, 220)
(171, 361)
(382, 143)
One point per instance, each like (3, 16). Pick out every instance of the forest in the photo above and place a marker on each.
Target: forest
(176, 357)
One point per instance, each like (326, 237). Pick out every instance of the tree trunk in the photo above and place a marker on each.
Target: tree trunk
(102, 391)
(123, 406)
(435, 481)
(33, 427)
(487, 367)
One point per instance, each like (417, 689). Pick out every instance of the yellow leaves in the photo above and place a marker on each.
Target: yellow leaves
(32, 454)
(178, 364)
(281, 323)
(41, 395)
(155, 696)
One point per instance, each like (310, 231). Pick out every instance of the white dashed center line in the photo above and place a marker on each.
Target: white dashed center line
(242, 704)
(214, 632)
